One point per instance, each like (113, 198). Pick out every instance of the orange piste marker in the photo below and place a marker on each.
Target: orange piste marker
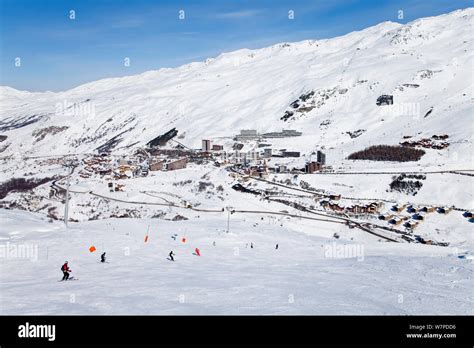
(92, 249)
(183, 240)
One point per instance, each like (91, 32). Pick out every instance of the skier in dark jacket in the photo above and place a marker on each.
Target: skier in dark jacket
(65, 268)
(102, 257)
(171, 255)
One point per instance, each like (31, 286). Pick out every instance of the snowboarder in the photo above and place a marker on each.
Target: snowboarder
(102, 257)
(171, 255)
(65, 269)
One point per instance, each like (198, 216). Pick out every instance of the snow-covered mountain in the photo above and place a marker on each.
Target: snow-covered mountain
(325, 88)
(294, 243)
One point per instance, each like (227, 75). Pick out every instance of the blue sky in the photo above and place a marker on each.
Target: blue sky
(58, 53)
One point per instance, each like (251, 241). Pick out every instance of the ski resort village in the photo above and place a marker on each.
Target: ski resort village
(326, 176)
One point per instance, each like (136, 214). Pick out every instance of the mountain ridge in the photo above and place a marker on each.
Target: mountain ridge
(254, 89)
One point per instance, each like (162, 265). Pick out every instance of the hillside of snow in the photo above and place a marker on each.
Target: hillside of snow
(426, 65)
(305, 275)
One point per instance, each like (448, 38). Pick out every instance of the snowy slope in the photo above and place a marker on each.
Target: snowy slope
(306, 275)
(252, 89)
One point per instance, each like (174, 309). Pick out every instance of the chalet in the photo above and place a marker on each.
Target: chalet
(410, 224)
(324, 203)
(442, 210)
(357, 209)
(334, 197)
(386, 217)
(119, 187)
(374, 207)
(217, 148)
(411, 209)
(178, 164)
(395, 221)
(157, 165)
(426, 143)
(370, 208)
(467, 214)
(427, 209)
(398, 208)
(104, 171)
(335, 207)
(420, 239)
(418, 217)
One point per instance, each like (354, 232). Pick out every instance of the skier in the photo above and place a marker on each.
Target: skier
(276, 247)
(214, 243)
(251, 245)
(65, 268)
(171, 255)
(102, 257)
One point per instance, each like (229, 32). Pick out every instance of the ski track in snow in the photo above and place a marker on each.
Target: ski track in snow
(228, 278)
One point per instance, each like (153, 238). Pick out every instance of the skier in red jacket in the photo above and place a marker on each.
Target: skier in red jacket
(65, 268)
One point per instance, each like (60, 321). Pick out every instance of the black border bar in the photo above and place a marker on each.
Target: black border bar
(231, 330)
